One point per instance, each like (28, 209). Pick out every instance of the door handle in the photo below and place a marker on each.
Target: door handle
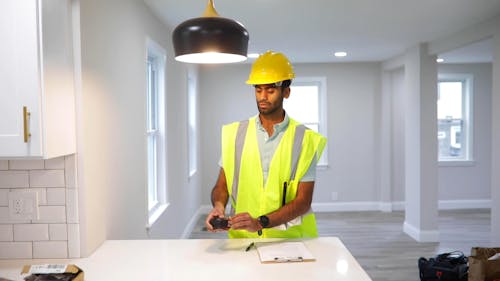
(26, 116)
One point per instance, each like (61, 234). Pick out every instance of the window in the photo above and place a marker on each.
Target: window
(307, 104)
(454, 117)
(155, 132)
(192, 123)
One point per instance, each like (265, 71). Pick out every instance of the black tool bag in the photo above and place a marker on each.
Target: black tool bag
(448, 267)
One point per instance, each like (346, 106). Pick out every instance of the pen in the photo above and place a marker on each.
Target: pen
(249, 247)
(283, 202)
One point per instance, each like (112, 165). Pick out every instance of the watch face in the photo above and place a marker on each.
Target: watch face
(264, 221)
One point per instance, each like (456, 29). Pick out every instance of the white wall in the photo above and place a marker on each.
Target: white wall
(224, 98)
(111, 126)
(472, 182)
(352, 92)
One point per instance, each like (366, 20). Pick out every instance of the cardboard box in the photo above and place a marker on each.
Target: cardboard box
(481, 268)
(40, 272)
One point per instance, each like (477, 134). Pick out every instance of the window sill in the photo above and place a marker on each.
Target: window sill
(192, 173)
(457, 163)
(155, 215)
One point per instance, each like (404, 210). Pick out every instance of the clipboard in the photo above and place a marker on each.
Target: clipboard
(282, 252)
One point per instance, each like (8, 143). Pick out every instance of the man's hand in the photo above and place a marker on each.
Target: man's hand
(219, 200)
(217, 211)
(245, 221)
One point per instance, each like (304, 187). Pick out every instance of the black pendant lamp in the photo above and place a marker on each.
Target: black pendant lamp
(210, 39)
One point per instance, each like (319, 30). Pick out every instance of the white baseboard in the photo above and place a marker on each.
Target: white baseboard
(345, 206)
(421, 235)
(205, 209)
(192, 222)
(358, 206)
(464, 204)
(397, 205)
(385, 207)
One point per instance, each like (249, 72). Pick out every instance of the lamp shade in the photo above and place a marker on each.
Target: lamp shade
(210, 39)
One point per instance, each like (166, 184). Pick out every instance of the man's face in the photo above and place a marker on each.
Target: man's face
(270, 98)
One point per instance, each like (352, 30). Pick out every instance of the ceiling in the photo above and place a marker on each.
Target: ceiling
(368, 30)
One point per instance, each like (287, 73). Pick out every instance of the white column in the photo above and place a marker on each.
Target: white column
(421, 174)
(495, 143)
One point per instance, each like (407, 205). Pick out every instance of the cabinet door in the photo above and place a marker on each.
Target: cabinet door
(58, 87)
(20, 81)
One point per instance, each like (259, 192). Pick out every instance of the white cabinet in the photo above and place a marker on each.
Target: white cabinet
(36, 73)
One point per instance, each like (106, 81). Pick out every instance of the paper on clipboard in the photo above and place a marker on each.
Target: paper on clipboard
(275, 252)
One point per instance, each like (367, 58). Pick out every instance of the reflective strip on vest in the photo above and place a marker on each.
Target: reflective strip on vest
(297, 144)
(240, 142)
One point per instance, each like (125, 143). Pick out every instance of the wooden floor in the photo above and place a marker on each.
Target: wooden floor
(377, 240)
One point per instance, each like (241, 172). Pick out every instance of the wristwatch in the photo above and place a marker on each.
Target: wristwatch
(264, 221)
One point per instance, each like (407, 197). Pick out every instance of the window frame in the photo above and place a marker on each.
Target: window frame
(321, 83)
(192, 121)
(467, 81)
(156, 186)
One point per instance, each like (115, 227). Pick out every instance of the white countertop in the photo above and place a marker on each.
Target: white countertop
(203, 259)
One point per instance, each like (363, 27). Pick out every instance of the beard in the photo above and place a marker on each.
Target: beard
(267, 108)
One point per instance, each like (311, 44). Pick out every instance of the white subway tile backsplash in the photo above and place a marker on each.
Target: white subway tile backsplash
(6, 233)
(55, 163)
(51, 214)
(5, 217)
(14, 179)
(41, 195)
(26, 164)
(50, 249)
(72, 206)
(47, 178)
(58, 232)
(4, 197)
(31, 232)
(73, 240)
(4, 214)
(16, 250)
(70, 171)
(56, 196)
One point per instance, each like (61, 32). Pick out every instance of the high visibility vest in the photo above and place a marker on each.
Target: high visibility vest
(244, 176)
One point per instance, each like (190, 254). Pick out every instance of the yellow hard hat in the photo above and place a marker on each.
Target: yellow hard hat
(270, 67)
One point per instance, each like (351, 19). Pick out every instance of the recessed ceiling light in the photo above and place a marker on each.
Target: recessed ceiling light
(253, 55)
(340, 54)
(439, 60)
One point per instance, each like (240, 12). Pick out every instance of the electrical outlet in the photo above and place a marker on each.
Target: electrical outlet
(23, 205)
(17, 205)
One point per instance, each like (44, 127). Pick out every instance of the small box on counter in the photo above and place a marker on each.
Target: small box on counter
(46, 272)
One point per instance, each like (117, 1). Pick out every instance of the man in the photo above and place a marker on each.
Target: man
(268, 163)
